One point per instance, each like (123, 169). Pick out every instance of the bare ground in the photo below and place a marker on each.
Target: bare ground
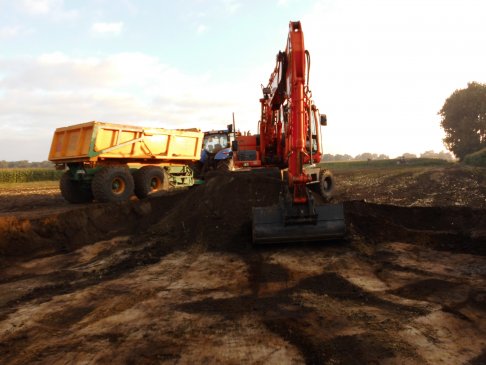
(175, 279)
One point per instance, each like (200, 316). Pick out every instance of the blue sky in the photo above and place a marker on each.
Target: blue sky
(380, 69)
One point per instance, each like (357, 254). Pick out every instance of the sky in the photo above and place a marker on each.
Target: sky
(380, 69)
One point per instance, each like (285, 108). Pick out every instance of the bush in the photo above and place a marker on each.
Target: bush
(27, 175)
(477, 158)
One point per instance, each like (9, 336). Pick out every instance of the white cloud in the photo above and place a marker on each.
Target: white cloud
(8, 32)
(231, 6)
(201, 28)
(37, 7)
(112, 29)
(40, 94)
(51, 8)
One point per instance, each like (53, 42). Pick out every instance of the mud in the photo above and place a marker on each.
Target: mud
(34, 233)
(178, 281)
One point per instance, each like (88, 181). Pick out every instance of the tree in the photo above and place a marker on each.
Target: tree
(464, 120)
(344, 157)
(442, 155)
(364, 156)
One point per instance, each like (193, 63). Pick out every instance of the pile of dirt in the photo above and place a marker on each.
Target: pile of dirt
(218, 213)
(217, 216)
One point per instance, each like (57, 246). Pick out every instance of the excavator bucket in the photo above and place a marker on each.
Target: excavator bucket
(284, 223)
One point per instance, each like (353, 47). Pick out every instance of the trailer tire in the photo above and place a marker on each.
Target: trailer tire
(148, 180)
(225, 165)
(112, 184)
(74, 191)
(326, 184)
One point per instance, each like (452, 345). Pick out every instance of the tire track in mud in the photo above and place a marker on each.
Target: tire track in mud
(285, 314)
(302, 326)
(72, 280)
(99, 296)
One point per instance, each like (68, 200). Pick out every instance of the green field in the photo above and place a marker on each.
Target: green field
(384, 164)
(477, 158)
(23, 175)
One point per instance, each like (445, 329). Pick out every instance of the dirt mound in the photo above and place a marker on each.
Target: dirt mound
(217, 216)
(218, 213)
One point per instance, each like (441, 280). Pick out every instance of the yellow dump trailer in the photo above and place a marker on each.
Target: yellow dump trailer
(111, 162)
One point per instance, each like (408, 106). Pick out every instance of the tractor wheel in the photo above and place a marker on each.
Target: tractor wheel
(225, 165)
(112, 184)
(196, 168)
(326, 184)
(148, 180)
(74, 191)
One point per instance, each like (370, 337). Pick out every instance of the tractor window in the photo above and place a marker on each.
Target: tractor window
(313, 134)
(215, 142)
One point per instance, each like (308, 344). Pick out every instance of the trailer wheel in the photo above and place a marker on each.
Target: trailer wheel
(148, 180)
(326, 184)
(112, 184)
(74, 191)
(225, 165)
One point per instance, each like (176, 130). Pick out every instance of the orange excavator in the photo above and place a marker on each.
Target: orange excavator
(289, 138)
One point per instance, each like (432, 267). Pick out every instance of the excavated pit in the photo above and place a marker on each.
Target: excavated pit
(175, 278)
(217, 215)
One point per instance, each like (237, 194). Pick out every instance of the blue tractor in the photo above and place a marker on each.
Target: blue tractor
(216, 153)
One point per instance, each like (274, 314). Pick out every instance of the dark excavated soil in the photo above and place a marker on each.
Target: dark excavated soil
(175, 279)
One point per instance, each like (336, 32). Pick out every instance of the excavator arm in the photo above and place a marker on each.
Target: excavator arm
(287, 96)
(288, 127)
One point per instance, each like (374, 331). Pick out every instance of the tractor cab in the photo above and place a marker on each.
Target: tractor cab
(216, 152)
(215, 141)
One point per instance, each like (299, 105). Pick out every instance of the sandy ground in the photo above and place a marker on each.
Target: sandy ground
(175, 279)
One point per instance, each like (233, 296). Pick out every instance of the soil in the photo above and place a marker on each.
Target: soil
(175, 278)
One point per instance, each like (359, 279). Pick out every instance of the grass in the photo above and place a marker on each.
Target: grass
(384, 164)
(477, 158)
(32, 185)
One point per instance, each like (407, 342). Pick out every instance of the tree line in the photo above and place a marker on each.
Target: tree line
(326, 157)
(374, 156)
(25, 164)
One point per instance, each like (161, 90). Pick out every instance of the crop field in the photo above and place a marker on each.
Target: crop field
(385, 164)
(175, 279)
(22, 175)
